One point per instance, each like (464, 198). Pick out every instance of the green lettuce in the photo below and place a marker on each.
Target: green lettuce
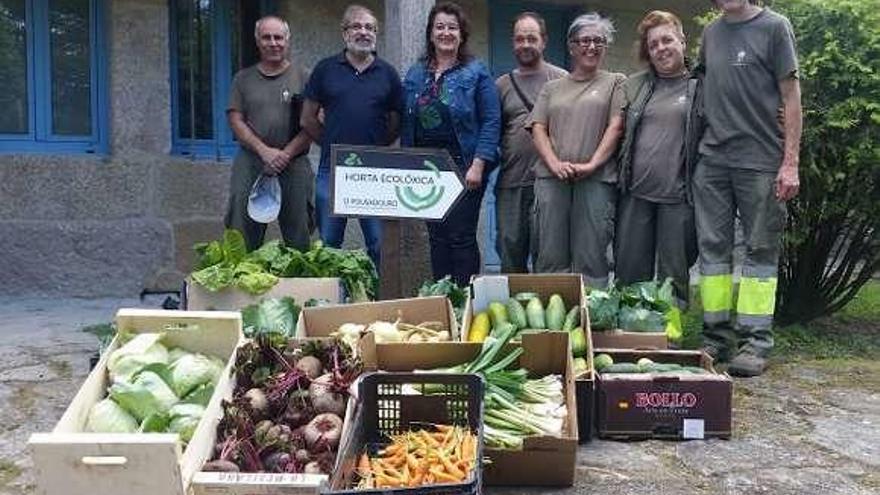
(107, 417)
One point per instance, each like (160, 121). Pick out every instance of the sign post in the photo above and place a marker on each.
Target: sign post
(393, 184)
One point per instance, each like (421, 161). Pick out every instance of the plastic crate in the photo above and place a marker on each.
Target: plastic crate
(585, 391)
(387, 406)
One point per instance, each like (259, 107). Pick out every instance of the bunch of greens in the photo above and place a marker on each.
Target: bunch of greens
(640, 307)
(515, 406)
(226, 263)
(154, 389)
(446, 287)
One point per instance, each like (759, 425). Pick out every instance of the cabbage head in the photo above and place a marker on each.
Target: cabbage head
(107, 417)
(192, 370)
(184, 420)
(142, 350)
(147, 394)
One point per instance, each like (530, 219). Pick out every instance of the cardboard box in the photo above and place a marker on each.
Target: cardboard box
(231, 299)
(71, 462)
(650, 405)
(620, 339)
(488, 288)
(323, 321)
(544, 460)
(570, 287)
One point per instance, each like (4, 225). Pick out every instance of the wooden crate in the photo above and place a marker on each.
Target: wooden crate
(213, 483)
(232, 299)
(71, 462)
(218, 483)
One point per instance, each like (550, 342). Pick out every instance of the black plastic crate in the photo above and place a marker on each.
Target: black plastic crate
(386, 407)
(585, 392)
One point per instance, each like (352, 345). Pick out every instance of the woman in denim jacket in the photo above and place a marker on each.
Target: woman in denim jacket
(451, 103)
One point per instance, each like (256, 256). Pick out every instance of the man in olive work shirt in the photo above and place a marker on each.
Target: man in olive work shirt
(514, 192)
(261, 103)
(748, 169)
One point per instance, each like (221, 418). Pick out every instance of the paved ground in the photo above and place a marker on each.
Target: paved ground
(802, 429)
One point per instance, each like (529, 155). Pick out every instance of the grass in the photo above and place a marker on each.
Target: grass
(9, 471)
(853, 332)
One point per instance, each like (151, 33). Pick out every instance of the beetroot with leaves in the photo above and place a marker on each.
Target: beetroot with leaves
(283, 417)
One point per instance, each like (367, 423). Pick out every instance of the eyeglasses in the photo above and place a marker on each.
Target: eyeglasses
(361, 27)
(586, 41)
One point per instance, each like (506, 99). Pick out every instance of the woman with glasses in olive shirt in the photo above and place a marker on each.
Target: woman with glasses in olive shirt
(576, 125)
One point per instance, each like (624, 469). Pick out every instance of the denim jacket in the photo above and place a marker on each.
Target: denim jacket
(475, 109)
(639, 88)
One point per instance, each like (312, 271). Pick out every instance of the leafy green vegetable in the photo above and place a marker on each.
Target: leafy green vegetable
(144, 349)
(224, 264)
(104, 332)
(155, 423)
(271, 316)
(184, 420)
(148, 394)
(256, 282)
(641, 320)
(107, 417)
(193, 370)
(447, 287)
(201, 395)
(604, 306)
(651, 295)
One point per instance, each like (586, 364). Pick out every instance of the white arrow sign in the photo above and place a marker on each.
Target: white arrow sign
(421, 190)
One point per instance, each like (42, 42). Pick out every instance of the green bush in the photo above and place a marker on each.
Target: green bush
(831, 245)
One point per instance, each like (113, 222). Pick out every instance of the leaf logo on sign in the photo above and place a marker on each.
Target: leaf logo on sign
(353, 160)
(413, 201)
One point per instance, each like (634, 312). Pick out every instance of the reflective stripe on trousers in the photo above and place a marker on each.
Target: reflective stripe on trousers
(756, 300)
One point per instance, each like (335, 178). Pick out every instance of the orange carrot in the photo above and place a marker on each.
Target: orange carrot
(441, 476)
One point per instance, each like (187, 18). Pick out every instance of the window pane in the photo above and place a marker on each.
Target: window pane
(194, 71)
(13, 75)
(71, 68)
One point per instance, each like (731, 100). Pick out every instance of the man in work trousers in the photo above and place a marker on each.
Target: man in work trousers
(261, 103)
(361, 96)
(514, 190)
(749, 168)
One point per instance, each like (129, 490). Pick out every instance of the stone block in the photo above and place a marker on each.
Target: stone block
(57, 187)
(187, 233)
(82, 259)
(139, 73)
(192, 189)
(314, 27)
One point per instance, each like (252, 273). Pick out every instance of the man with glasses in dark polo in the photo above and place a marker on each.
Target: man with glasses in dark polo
(360, 95)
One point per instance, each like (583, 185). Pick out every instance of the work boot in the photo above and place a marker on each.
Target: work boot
(717, 353)
(747, 364)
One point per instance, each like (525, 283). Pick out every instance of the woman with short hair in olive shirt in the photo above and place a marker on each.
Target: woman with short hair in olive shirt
(655, 220)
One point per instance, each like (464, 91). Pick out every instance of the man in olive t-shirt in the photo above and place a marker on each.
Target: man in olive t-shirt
(748, 169)
(514, 192)
(261, 102)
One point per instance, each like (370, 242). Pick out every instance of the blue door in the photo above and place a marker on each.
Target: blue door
(501, 61)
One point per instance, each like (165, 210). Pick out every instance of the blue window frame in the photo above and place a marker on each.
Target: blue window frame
(210, 41)
(53, 85)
